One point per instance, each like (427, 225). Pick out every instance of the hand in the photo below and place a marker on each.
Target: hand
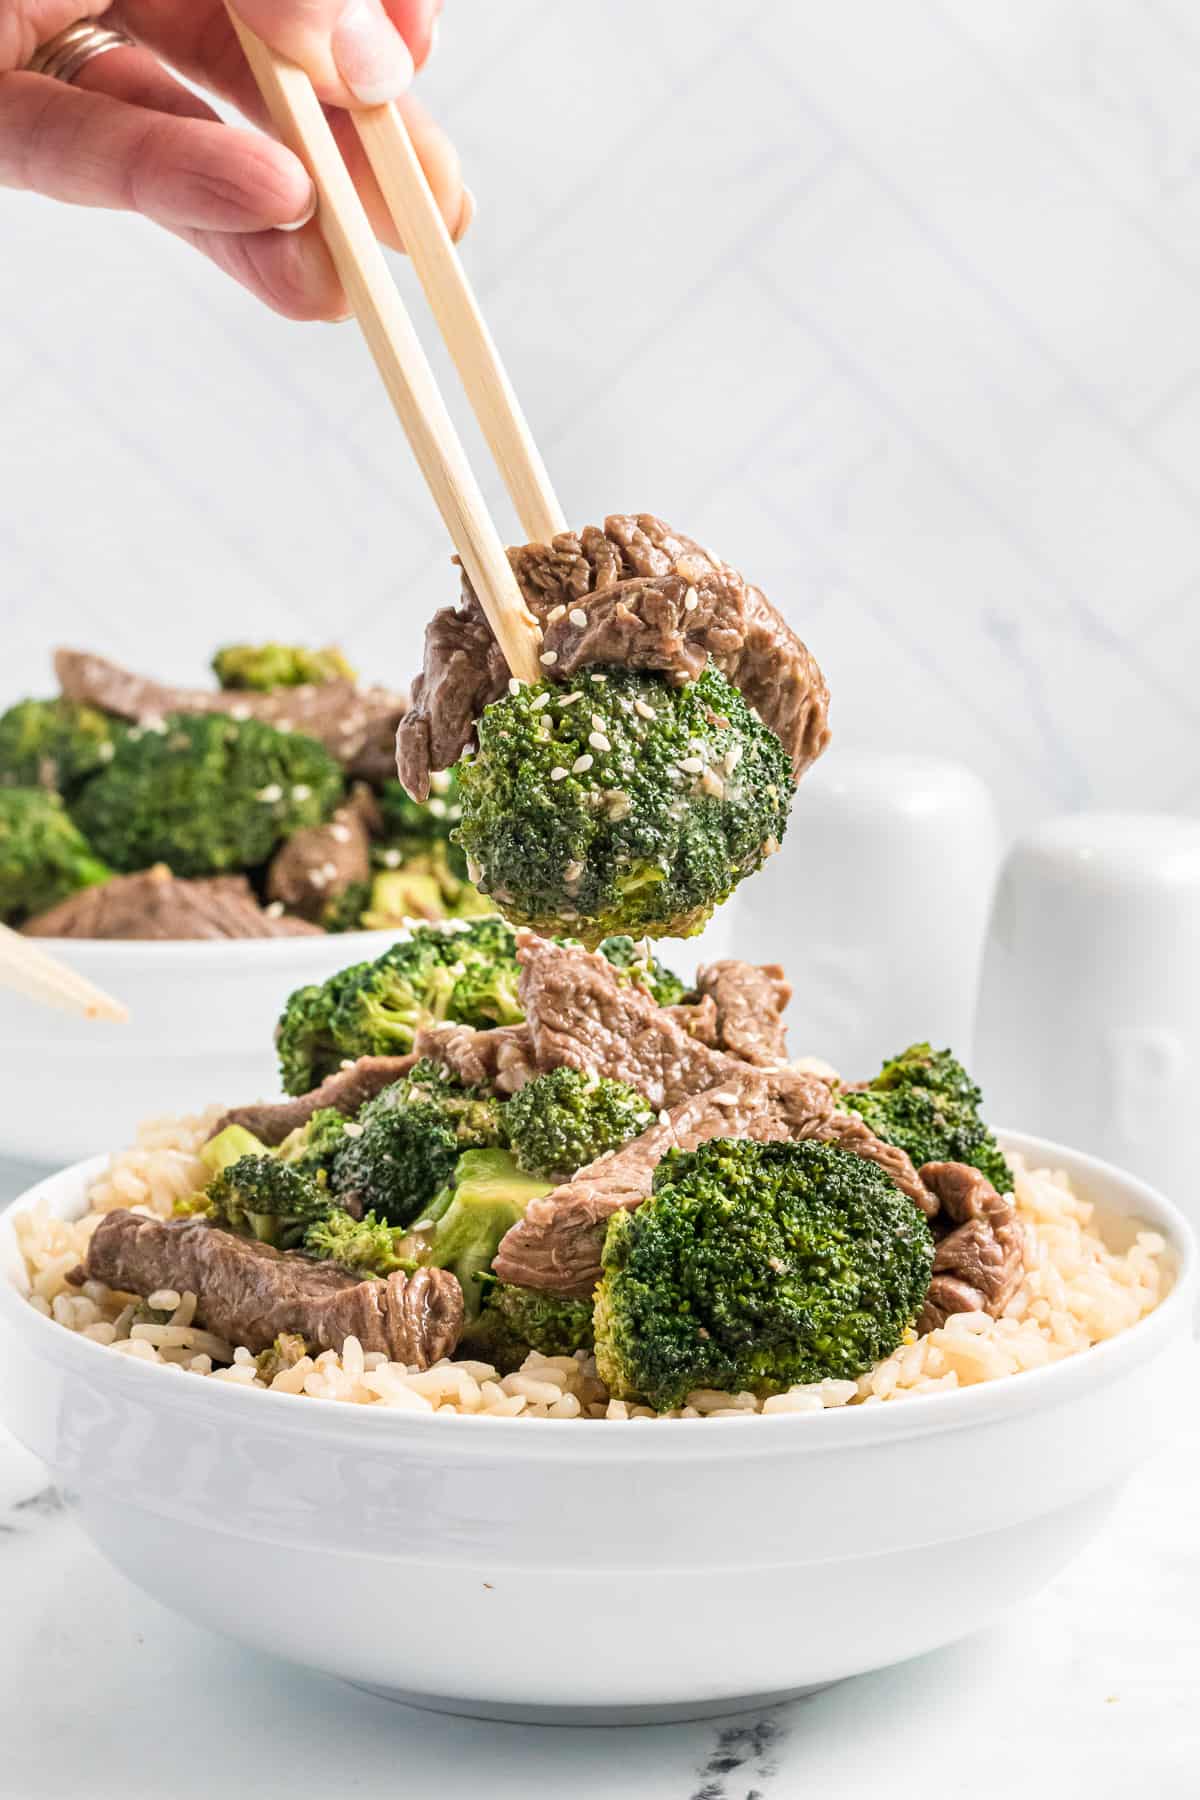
(126, 134)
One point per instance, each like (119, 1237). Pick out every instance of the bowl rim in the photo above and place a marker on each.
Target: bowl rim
(835, 1429)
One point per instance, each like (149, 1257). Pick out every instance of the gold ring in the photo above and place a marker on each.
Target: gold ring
(67, 52)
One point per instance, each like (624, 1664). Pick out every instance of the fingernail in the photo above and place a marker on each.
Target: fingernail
(306, 217)
(372, 58)
(466, 213)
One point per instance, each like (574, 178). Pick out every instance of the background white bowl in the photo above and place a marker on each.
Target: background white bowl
(511, 1567)
(202, 1018)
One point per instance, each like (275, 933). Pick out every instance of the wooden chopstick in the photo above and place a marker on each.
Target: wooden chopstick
(397, 351)
(433, 254)
(28, 970)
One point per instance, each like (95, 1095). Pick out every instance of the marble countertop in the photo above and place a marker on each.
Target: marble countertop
(1088, 1690)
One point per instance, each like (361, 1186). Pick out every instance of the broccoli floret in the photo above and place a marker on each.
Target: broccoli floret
(468, 974)
(559, 1122)
(462, 1229)
(752, 1267)
(637, 807)
(311, 1148)
(55, 744)
(283, 1354)
(515, 1320)
(410, 824)
(206, 792)
(406, 1142)
(304, 1037)
(421, 887)
(228, 1146)
(924, 1102)
(263, 1198)
(368, 1243)
(635, 958)
(43, 855)
(266, 666)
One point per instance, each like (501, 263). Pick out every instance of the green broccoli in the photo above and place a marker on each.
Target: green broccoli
(228, 1146)
(55, 744)
(422, 886)
(513, 1321)
(925, 1103)
(312, 1147)
(461, 1230)
(559, 1122)
(410, 825)
(304, 1037)
(755, 1267)
(284, 1353)
(635, 958)
(368, 1244)
(206, 792)
(43, 855)
(465, 972)
(405, 1143)
(628, 806)
(263, 1198)
(267, 666)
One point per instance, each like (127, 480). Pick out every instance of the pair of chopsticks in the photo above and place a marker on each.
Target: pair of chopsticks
(27, 970)
(409, 380)
(407, 376)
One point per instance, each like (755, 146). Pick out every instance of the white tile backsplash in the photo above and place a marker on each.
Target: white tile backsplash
(896, 305)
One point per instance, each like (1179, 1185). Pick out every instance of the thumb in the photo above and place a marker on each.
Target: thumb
(350, 49)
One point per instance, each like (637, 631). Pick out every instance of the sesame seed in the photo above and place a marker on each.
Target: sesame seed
(664, 1117)
(439, 781)
(559, 774)
(691, 765)
(625, 705)
(581, 765)
(777, 1263)
(644, 709)
(391, 859)
(340, 834)
(577, 616)
(598, 741)
(601, 678)
(270, 794)
(329, 871)
(274, 909)
(573, 871)
(347, 1062)
(514, 686)
(597, 722)
(352, 1128)
(542, 700)
(555, 614)
(317, 878)
(301, 791)
(437, 809)
(691, 600)
(733, 758)
(548, 658)
(712, 784)
(570, 699)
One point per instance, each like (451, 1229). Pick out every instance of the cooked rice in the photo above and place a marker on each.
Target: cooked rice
(1076, 1292)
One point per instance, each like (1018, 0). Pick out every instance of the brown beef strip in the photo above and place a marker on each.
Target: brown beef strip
(158, 905)
(357, 725)
(320, 862)
(750, 999)
(249, 1293)
(558, 1243)
(582, 1015)
(653, 600)
(347, 1090)
(978, 1264)
(501, 1059)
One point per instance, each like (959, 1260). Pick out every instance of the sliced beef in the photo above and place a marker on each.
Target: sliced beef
(320, 862)
(159, 905)
(557, 1245)
(698, 1017)
(581, 1015)
(749, 999)
(249, 1293)
(500, 1059)
(649, 599)
(357, 725)
(980, 1257)
(347, 1090)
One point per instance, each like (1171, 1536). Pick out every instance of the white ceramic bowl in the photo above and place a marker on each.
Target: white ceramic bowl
(513, 1567)
(202, 1018)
